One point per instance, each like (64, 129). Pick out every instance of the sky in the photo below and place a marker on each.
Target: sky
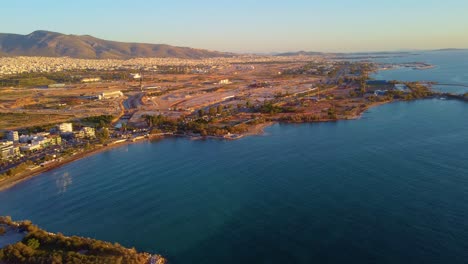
(254, 25)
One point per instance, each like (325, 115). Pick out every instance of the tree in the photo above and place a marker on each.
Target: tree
(363, 85)
(220, 109)
(270, 108)
(149, 119)
(103, 135)
(201, 113)
(212, 111)
(33, 243)
(332, 113)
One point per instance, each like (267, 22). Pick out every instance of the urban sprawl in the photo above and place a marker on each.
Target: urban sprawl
(55, 109)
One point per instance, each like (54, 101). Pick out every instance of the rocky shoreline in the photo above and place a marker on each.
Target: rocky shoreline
(32, 244)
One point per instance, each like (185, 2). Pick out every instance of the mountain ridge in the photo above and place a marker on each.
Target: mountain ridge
(54, 44)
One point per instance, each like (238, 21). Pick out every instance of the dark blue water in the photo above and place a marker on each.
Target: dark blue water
(391, 187)
(451, 67)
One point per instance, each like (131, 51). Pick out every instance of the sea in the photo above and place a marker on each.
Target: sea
(390, 187)
(450, 69)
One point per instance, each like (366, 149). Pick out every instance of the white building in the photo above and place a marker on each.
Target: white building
(135, 75)
(38, 141)
(89, 80)
(8, 150)
(225, 81)
(66, 128)
(110, 95)
(13, 136)
(31, 147)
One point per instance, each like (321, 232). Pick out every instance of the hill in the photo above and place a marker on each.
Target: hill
(52, 44)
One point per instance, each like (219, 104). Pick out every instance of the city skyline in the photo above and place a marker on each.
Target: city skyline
(262, 27)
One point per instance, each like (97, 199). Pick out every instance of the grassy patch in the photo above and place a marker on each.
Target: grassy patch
(22, 120)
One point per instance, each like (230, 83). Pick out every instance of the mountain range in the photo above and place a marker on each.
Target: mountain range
(53, 44)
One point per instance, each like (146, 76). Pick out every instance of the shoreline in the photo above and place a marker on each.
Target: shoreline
(23, 176)
(60, 244)
(255, 130)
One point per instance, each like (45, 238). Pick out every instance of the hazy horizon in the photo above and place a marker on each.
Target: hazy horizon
(261, 27)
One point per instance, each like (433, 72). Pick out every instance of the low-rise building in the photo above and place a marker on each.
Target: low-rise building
(30, 147)
(225, 81)
(135, 75)
(90, 80)
(38, 141)
(110, 95)
(8, 150)
(56, 85)
(88, 132)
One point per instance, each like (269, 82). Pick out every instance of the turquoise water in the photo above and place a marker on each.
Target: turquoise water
(391, 187)
(451, 68)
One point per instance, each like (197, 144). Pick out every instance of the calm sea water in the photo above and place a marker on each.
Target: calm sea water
(451, 68)
(391, 187)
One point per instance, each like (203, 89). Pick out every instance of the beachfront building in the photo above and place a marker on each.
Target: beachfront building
(30, 147)
(87, 132)
(38, 141)
(65, 128)
(13, 136)
(8, 150)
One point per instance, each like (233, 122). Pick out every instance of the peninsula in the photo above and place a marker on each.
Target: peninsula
(23, 242)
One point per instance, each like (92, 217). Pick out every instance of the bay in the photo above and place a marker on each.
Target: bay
(391, 187)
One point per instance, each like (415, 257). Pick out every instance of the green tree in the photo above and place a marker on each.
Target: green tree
(33, 243)
(201, 113)
(332, 113)
(212, 111)
(220, 109)
(103, 135)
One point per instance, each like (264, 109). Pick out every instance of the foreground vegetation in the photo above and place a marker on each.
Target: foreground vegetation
(39, 246)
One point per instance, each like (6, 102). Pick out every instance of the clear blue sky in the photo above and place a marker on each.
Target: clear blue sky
(254, 25)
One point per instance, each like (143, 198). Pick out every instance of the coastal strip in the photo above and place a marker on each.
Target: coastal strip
(11, 181)
(23, 242)
(254, 130)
